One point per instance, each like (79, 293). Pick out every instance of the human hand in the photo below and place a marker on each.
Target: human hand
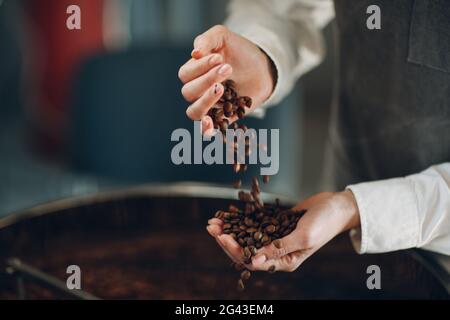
(220, 54)
(327, 215)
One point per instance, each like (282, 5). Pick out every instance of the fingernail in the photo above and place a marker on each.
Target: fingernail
(223, 70)
(195, 52)
(204, 122)
(215, 59)
(216, 89)
(259, 260)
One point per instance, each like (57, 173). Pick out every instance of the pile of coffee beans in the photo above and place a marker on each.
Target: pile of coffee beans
(256, 224)
(229, 105)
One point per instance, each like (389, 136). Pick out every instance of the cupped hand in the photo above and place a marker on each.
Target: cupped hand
(327, 215)
(221, 54)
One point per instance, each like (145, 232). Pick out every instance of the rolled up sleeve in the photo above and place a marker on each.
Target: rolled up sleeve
(402, 213)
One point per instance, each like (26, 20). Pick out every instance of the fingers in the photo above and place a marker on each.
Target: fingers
(215, 221)
(199, 108)
(287, 263)
(195, 68)
(196, 88)
(210, 41)
(214, 230)
(281, 247)
(231, 247)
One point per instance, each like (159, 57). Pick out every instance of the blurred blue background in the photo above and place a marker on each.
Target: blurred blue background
(86, 110)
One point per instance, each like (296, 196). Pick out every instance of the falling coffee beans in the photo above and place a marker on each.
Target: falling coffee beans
(255, 224)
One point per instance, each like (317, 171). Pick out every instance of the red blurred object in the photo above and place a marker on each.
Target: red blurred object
(56, 52)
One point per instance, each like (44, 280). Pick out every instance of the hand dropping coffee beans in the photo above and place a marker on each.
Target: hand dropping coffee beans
(256, 224)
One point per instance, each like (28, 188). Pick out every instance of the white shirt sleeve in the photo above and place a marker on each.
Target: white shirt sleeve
(402, 213)
(289, 32)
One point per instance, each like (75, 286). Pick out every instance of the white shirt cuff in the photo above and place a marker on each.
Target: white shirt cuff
(388, 215)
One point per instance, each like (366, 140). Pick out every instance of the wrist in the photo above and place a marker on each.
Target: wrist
(273, 72)
(348, 207)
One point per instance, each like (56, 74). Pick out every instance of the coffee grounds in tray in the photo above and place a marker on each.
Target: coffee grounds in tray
(256, 224)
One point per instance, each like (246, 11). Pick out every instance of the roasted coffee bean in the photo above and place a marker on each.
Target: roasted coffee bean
(250, 241)
(240, 285)
(245, 275)
(228, 107)
(227, 226)
(257, 236)
(232, 208)
(248, 222)
(253, 249)
(223, 125)
(240, 112)
(271, 228)
(251, 229)
(248, 102)
(242, 242)
(237, 184)
(271, 269)
(242, 234)
(244, 196)
(265, 240)
(248, 260)
(247, 252)
(255, 185)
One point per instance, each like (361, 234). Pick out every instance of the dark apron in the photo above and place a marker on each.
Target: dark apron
(392, 112)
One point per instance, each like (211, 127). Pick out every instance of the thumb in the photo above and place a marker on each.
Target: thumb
(210, 41)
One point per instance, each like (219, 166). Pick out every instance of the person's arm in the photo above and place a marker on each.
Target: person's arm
(288, 31)
(401, 213)
(383, 216)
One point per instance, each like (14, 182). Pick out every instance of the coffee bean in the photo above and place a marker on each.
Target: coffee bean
(255, 185)
(240, 285)
(248, 102)
(232, 208)
(257, 236)
(253, 249)
(237, 184)
(251, 229)
(245, 275)
(271, 269)
(244, 196)
(271, 228)
(265, 240)
(248, 222)
(228, 107)
(240, 112)
(250, 242)
(247, 252)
